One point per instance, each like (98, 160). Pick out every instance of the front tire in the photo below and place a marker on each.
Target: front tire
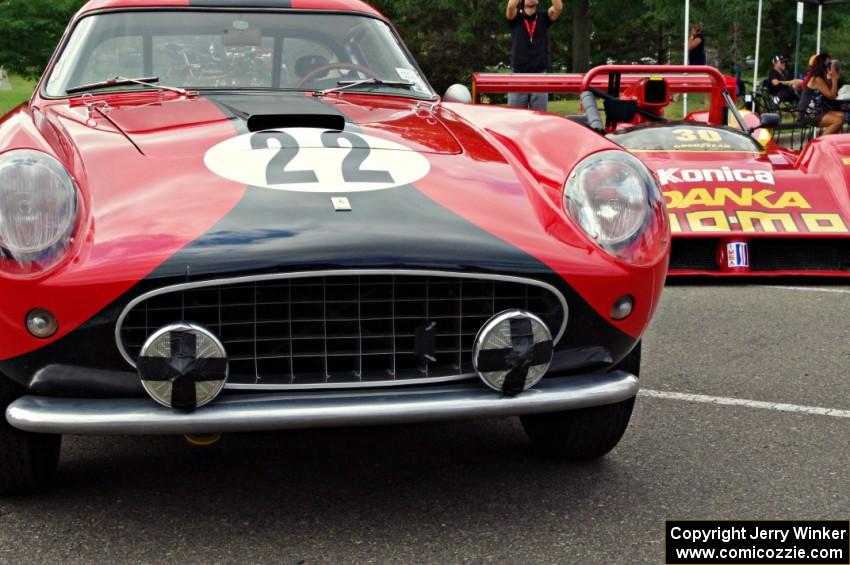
(27, 461)
(586, 433)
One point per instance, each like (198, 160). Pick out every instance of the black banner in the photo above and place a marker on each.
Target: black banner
(753, 542)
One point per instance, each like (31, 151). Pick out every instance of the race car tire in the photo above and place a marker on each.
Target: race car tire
(586, 433)
(27, 461)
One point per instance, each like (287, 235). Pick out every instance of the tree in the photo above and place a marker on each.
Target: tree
(581, 35)
(451, 43)
(29, 31)
(452, 39)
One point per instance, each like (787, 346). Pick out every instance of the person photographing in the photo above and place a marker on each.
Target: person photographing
(820, 88)
(696, 46)
(530, 46)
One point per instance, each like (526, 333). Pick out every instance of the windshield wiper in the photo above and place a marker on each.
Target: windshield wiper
(124, 81)
(347, 84)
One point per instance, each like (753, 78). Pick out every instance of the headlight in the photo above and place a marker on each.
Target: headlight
(38, 207)
(616, 201)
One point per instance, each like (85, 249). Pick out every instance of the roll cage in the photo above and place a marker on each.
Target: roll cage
(631, 94)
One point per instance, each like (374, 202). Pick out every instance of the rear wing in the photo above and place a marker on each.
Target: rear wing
(622, 78)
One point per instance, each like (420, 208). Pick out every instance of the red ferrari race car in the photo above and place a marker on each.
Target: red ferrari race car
(232, 216)
(739, 203)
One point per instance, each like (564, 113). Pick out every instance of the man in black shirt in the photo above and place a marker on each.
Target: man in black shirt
(778, 83)
(530, 49)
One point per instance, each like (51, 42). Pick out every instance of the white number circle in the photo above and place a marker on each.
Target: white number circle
(315, 160)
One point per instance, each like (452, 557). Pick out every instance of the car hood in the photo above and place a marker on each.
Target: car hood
(168, 128)
(181, 187)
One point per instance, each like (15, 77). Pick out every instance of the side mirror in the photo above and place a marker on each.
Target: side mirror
(769, 121)
(458, 93)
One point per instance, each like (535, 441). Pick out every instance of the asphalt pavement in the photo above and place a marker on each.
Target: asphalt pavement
(474, 491)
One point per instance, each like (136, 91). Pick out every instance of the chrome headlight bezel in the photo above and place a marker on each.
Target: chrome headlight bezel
(614, 198)
(39, 206)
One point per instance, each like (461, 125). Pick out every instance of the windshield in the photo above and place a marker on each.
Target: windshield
(236, 50)
(684, 137)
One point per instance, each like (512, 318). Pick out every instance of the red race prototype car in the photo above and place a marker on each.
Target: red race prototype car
(739, 203)
(231, 216)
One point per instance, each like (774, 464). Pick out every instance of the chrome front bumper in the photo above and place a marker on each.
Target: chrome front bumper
(142, 416)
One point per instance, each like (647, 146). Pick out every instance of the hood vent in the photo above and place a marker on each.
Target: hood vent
(263, 122)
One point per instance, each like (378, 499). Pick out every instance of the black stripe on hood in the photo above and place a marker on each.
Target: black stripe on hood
(271, 230)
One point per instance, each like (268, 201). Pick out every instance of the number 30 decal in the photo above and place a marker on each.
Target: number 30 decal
(314, 160)
(688, 134)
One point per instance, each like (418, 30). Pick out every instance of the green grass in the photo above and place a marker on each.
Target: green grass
(21, 91)
(568, 105)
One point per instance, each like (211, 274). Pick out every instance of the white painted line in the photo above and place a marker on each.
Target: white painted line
(725, 401)
(810, 289)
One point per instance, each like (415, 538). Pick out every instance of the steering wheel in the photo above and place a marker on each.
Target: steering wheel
(318, 71)
(181, 69)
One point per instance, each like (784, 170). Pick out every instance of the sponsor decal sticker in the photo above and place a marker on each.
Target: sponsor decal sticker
(737, 255)
(745, 197)
(754, 221)
(316, 160)
(412, 76)
(698, 139)
(723, 209)
(722, 174)
(719, 210)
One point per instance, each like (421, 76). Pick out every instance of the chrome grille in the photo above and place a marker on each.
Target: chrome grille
(343, 329)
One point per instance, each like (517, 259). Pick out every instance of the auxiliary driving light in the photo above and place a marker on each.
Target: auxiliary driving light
(512, 351)
(623, 307)
(183, 366)
(41, 323)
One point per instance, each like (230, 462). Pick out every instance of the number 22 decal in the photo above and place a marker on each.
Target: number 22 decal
(276, 172)
(316, 160)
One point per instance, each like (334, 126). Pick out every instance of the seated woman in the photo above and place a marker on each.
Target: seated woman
(820, 87)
